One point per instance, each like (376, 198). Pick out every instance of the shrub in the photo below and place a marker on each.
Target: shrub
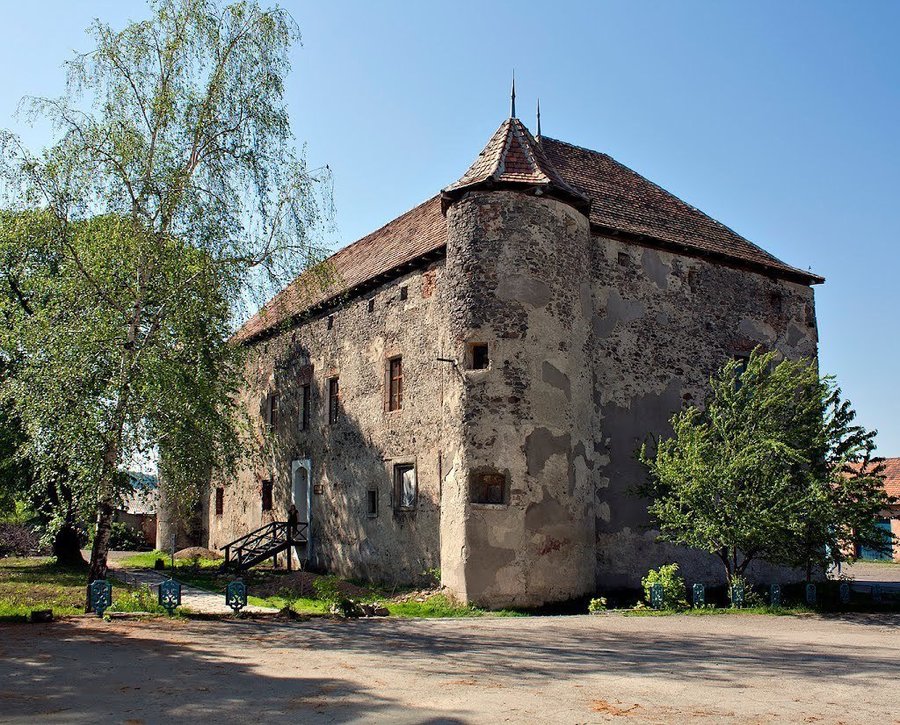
(672, 586)
(124, 538)
(139, 600)
(597, 605)
(752, 598)
(18, 540)
(328, 590)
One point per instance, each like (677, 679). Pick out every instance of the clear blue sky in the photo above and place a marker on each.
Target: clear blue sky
(779, 119)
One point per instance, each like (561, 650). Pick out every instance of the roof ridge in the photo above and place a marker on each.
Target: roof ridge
(528, 150)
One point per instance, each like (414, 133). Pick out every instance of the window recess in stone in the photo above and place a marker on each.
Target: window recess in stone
(272, 410)
(220, 501)
(305, 405)
(330, 321)
(371, 305)
(266, 495)
(372, 503)
(405, 489)
(404, 292)
(334, 398)
(478, 357)
(488, 487)
(395, 383)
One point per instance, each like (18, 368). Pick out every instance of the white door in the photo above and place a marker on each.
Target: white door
(301, 495)
(300, 489)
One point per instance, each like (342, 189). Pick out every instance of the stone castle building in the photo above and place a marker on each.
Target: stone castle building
(469, 392)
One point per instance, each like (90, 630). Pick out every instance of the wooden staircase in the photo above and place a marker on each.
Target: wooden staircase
(266, 542)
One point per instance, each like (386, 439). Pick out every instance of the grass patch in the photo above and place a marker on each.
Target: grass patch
(206, 574)
(38, 583)
(136, 600)
(439, 605)
(302, 605)
(147, 560)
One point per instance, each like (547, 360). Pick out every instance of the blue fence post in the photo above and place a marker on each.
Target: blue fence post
(737, 596)
(236, 595)
(775, 595)
(699, 595)
(810, 594)
(844, 593)
(170, 595)
(656, 595)
(101, 596)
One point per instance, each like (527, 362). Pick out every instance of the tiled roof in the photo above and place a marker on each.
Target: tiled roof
(514, 158)
(411, 235)
(620, 200)
(890, 471)
(891, 475)
(624, 201)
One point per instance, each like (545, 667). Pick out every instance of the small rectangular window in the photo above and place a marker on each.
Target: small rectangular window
(220, 501)
(372, 305)
(305, 395)
(395, 383)
(266, 495)
(330, 321)
(404, 293)
(479, 356)
(372, 503)
(272, 410)
(488, 487)
(405, 488)
(334, 395)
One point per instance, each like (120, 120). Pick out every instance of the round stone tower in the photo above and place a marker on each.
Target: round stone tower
(517, 508)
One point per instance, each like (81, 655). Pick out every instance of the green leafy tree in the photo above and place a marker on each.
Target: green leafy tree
(172, 198)
(766, 470)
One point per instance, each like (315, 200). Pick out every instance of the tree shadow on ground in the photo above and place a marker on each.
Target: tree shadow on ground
(86, 670)
(92, 671)
(540, 649)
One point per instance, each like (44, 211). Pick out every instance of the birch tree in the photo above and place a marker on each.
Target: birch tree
(172, 195)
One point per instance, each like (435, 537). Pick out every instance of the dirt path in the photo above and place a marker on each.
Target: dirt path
(716, 669)
(198, 601)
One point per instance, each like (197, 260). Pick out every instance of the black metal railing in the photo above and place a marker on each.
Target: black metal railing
(263, 543)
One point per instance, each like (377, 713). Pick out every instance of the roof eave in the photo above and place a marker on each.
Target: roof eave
(792, 274)
(454, 193)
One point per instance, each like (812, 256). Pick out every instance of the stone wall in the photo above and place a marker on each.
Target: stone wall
(662, 324)
(517, 276)
(593, 344)
(359, 451)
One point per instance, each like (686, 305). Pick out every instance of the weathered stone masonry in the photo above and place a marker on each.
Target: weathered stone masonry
(604, 304)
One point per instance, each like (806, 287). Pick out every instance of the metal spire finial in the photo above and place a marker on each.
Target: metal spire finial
(512, 108)
(539, 118)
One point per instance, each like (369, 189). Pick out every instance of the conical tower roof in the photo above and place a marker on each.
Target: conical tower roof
(513, 158)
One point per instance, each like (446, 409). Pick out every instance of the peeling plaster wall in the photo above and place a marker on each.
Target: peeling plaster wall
(593, 342)
(517, 275)
(358, 452)
(662, 324)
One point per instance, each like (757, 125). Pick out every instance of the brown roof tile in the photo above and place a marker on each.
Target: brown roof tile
(891, 475)
(513, 157)
(890, 472)
(618, 200)
(411, 235)
(624, 201)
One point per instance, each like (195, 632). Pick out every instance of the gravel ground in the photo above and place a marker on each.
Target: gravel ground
(714, 669)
